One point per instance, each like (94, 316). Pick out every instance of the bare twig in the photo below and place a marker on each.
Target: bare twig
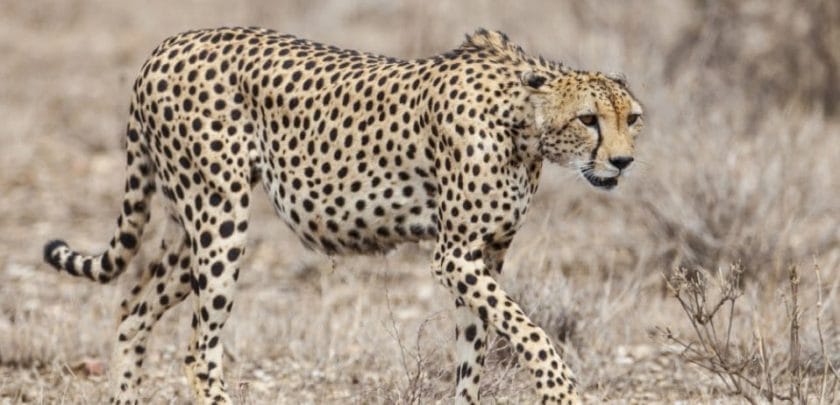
(794, 366)
(396, 334)
(828, 367)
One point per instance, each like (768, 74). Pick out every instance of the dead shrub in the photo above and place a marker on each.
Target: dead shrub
(758, 367)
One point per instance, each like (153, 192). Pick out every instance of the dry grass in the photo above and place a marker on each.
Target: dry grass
(738, 165)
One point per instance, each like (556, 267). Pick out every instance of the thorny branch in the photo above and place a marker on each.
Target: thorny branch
(749, 370)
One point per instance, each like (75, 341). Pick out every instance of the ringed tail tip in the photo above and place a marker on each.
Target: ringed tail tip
(49, 252)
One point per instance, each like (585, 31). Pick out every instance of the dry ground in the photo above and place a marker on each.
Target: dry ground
(738, 164)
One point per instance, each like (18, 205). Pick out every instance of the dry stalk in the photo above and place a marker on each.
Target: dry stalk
(403, 355)
(414, 373)
(794, 365)
(829, 370)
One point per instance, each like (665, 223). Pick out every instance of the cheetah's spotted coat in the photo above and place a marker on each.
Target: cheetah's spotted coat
(358, 153)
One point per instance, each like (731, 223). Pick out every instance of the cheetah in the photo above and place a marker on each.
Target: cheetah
(358, 153)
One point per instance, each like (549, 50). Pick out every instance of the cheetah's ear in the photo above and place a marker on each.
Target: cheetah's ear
(533, 81)
(618, 77)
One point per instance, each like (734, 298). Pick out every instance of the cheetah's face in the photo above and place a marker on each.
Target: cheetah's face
(588, 122)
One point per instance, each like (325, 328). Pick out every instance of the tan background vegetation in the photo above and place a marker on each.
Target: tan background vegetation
(738, 164)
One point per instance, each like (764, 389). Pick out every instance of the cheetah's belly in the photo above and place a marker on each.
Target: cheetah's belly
(365, 212)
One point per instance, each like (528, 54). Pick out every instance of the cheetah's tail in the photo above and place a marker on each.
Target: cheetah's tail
(139, 187)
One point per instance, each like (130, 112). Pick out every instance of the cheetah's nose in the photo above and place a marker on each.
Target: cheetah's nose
(621, 162)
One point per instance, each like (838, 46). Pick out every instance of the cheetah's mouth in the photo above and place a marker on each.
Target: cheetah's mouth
(601, 182)
(588, 172)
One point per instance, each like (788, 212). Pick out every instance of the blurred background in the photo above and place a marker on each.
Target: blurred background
(738, 165)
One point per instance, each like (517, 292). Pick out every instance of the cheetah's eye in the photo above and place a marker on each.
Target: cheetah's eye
(590, 120)
(632, 118)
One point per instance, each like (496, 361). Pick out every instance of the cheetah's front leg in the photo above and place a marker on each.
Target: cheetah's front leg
(471, 341)
(470, 281)
(470, 348)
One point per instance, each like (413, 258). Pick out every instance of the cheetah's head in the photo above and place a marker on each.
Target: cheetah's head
(588, 121)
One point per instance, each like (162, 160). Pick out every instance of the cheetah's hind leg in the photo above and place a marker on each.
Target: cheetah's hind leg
(165, 285)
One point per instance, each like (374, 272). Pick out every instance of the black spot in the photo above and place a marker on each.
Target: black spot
(462, 288)
(128, 240)
(233, 254)
(217, 269)
(226, 228)
(469, 333)
(219, 302)
(206, 239)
